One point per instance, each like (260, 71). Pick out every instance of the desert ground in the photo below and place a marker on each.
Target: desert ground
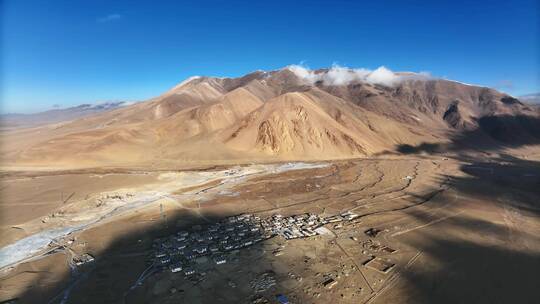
(431, 228)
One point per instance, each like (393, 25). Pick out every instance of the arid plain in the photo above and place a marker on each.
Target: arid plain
(454, 228)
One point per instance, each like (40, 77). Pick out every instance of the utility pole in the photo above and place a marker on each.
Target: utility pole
(162, 214)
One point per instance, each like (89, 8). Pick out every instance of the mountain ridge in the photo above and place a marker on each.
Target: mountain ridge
(264, 116)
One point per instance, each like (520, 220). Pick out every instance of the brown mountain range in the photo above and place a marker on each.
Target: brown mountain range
(273, 116)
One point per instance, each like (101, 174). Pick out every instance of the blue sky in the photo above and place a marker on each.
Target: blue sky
(72, 52)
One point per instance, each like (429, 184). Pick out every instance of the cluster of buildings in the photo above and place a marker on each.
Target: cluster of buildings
(83, 259)
(182, 251)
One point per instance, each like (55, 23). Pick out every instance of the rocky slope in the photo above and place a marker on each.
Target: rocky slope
(278, 115)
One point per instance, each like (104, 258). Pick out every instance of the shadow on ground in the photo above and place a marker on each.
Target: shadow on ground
(118, 266)
(488, 259)
(492, 133)
(480, 260)
(505, 179)
(474, 261)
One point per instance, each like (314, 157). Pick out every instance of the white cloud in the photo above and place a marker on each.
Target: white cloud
(338, 75)
(303, 73)
(384, 76)
(109, 18)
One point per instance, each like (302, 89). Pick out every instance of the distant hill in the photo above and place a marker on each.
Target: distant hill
(531, 98)
(287, 114)
(56, 115)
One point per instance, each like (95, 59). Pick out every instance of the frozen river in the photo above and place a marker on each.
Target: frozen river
(36, 243)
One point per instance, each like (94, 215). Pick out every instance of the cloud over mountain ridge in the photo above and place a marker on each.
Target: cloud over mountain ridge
(339, 75)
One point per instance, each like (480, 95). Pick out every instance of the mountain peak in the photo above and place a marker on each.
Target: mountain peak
(286, 114)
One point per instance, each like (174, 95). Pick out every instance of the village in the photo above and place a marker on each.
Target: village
(187, 249)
